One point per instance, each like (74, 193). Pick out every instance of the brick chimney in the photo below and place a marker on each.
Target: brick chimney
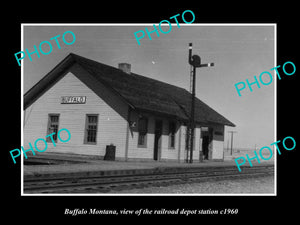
(125, 67)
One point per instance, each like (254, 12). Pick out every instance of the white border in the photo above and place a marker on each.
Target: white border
(150, 24)
(22, 112)
(275, 110)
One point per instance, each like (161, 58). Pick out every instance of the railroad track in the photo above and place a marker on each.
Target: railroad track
(94, 183)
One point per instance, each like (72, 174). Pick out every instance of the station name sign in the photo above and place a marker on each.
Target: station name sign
(73, 99)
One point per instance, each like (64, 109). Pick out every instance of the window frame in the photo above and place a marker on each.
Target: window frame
(144, 145)
(171, 135)
(85, 141)
(54, 137)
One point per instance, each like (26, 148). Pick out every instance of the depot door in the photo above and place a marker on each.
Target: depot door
(205, 143)
(157, 139)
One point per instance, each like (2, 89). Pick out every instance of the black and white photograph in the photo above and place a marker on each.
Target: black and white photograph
(107, 115)
(136, 111)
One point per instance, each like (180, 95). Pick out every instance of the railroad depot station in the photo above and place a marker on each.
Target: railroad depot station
(144, 119)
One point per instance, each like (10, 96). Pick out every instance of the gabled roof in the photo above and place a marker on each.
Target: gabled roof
(140, 92)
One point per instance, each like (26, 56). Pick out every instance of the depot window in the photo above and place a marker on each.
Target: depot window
(172, 134)
(53, 122)
(91, 123)
(142, 129)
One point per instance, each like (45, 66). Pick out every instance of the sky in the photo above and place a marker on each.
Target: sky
(239, 52)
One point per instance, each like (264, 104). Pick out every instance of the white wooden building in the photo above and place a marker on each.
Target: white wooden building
(101, 105)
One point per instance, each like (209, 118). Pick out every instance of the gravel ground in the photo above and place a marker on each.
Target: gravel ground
(260, 185)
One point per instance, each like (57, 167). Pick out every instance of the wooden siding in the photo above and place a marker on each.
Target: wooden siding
(216, 146)
(218, 142)
(112, 123)
(165, 153)
(111, 112)
(197, 146)
(135, 152)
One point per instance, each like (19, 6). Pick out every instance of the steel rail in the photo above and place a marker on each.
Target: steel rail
(107, 183)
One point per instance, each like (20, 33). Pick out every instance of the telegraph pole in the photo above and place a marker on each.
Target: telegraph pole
(232, 139)
(194, 61)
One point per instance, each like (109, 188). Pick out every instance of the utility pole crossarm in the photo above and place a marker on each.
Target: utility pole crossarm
(207, 65)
